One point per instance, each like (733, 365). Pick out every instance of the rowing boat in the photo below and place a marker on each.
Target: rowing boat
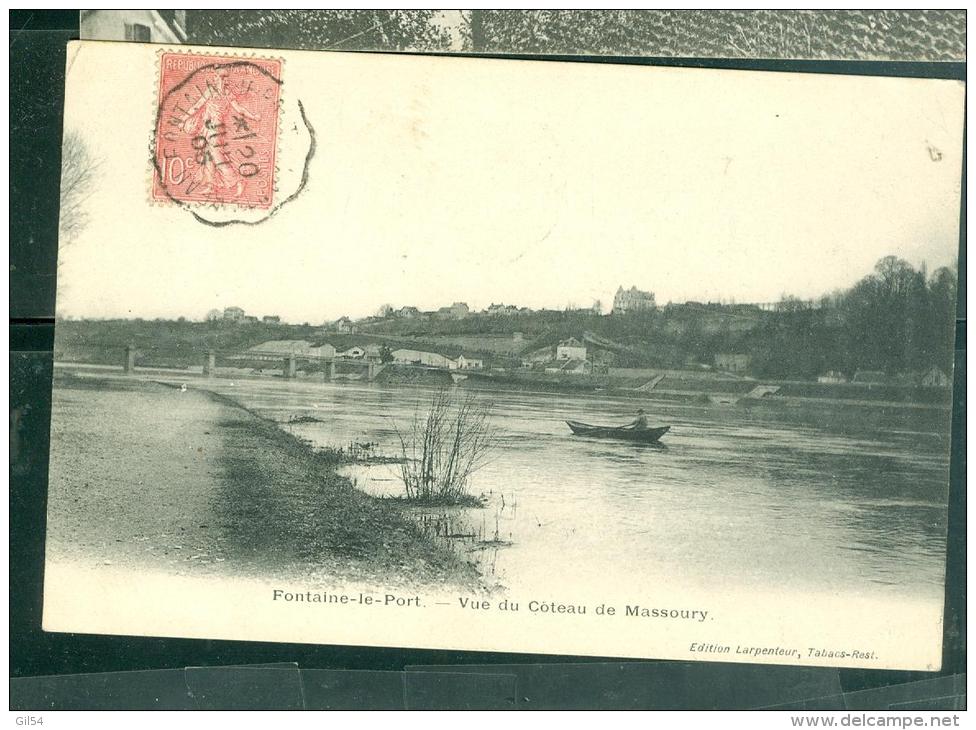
(626, 433)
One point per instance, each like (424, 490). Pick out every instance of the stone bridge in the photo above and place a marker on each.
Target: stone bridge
(289, 362)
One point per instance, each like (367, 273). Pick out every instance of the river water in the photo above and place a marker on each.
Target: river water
(848, 500)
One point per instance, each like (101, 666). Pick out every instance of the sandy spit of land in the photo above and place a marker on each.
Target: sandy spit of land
(151, 477)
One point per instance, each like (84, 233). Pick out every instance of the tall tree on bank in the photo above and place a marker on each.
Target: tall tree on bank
(897, 321)
(894, 320)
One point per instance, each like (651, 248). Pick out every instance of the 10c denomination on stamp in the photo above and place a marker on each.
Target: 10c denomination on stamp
(215, 140)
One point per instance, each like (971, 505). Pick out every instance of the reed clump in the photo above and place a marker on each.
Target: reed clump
(444, 445)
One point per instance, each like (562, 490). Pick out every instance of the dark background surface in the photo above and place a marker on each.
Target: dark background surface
(459, 679)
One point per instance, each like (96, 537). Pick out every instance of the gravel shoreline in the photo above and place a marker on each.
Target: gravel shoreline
(152, 477)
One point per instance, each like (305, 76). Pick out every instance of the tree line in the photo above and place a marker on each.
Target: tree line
(897, 319)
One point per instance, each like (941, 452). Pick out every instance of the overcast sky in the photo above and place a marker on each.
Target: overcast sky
(531, 183)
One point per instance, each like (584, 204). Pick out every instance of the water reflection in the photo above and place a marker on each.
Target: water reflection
(477, 535)
(841, 499)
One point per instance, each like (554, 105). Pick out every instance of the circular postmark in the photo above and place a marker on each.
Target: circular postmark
(216, 144)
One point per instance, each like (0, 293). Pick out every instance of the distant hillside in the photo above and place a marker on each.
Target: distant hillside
(629, 341)
(896, 321)
(103, 341)
(183, 344)
(668, 336)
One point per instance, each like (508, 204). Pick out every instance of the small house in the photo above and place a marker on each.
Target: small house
(322, 350)
(470, 362)
(832, 376)
(353, 353)
(571, 349)
(234, 314)
(406, 356)
(504, 310)
(373, 353)
(458, 310)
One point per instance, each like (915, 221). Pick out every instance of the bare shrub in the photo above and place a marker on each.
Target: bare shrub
(78, 170)
(444, 446)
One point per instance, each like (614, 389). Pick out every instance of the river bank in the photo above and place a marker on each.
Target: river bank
(155, 477)
(723, 393)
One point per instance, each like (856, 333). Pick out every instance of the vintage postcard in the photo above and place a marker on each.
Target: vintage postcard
(487, 354)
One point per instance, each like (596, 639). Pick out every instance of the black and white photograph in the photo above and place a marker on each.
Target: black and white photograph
(865, 35)
(500, 355)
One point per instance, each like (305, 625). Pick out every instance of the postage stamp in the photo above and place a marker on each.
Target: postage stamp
(215, 140)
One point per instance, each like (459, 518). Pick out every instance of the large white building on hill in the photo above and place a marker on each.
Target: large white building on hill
(632, 300)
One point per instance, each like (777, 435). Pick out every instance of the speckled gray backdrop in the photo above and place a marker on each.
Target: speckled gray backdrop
(864, 35)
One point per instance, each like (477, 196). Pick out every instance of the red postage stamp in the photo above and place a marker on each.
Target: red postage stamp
(216, 132)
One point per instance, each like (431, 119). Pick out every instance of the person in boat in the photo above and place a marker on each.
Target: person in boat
(639, 422)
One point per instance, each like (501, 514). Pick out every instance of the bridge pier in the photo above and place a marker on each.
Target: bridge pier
(370, 370)
(210, 365)
(290, 367)
(331, 372)
(130, 359)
